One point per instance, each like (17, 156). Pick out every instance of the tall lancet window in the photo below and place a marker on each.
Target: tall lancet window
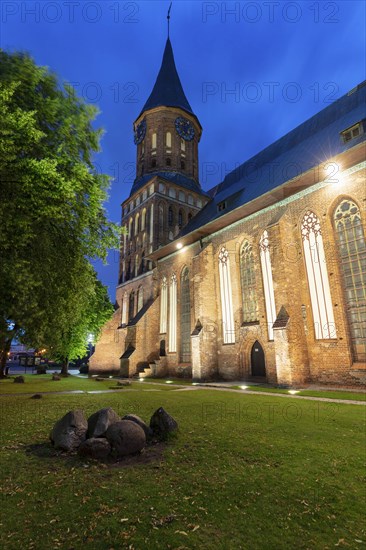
(228, 327)
(131, 306)
(316, 269)
(173, 314)
(248, 287)
(352, 252)
(143, 220)
(267, 282)
(163, 305)
(151, 223)
(124, 319)
(140, 298)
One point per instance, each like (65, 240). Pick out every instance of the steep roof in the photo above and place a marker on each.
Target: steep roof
(310, 144)
(167, 90)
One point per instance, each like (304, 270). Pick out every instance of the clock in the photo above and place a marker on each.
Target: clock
(140, 132)
(184, 128)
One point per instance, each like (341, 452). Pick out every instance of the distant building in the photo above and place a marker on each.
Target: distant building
(264, 277)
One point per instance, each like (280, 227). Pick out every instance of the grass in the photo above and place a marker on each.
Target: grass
(245, 472)
(329, 394)
(35, 383)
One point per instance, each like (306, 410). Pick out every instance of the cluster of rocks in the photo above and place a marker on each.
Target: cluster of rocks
(105, 433)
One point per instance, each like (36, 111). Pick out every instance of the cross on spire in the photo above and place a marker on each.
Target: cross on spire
(168, 17)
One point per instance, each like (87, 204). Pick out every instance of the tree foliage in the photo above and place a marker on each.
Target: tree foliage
(52, 220)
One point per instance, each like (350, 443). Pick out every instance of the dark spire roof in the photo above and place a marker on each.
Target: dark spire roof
(168, 89)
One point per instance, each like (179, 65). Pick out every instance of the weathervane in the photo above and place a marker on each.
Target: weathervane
(168, 16)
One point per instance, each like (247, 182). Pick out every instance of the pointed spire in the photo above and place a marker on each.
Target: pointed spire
(168, 90)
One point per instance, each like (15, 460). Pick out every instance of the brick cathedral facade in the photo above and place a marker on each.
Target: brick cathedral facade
(263, 277)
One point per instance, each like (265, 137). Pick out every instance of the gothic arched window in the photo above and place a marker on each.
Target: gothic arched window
(128, 271)
(131, 306)
(173, 314)
(153, 141)
(151, 223)
(143, 219)
(163, 305)
(161, 211)
(168, 140)
(248, 286)
(124, 309)
(180, 218)
(267, 282)
(137, 219)
(136, 265)
(170, 216)
(352, 252)
(140, 298)
(317, 274)
(228, 327)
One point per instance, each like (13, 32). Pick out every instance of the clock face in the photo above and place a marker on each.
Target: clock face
(140, 132)
(184, 128)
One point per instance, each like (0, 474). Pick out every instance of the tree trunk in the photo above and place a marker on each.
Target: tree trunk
(65, 367)
(4, 356)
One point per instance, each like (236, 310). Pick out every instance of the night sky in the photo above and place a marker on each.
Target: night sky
(252, 71)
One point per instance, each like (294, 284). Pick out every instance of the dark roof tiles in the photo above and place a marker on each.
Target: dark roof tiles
(168, 90)
(312, 143)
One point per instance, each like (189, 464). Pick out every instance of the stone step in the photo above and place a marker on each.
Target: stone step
(145, 373)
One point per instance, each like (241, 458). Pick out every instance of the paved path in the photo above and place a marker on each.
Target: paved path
(181, 387)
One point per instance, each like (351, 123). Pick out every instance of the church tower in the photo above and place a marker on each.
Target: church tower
(166, 192)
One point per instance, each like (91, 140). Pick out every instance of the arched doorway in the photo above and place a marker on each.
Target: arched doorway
(185, 318)
(257, 362)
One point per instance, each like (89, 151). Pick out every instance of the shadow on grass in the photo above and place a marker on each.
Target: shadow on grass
(152, 454)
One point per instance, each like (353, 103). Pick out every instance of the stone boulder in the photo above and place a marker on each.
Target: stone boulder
(19, 380)
(56, 377)
(134, 418)
(36, 396)
(95, 447)
(124, 383)
(162, 423)
(126, 438)
(70, 431)
(99, 422)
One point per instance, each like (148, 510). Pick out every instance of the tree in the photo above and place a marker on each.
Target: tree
(52, 220)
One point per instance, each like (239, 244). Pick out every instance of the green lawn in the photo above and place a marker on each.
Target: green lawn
(329, 394)
(35, 383)
(245, 472)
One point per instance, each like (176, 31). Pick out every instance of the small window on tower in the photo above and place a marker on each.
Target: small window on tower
(153, 141)
(153, 163)
(168, 140)
(182, 165)
(352, 132)
(168, 162)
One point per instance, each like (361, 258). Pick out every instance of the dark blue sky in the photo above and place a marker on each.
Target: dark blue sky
(251, 71)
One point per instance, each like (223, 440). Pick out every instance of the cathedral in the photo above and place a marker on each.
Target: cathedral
(261, 278)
